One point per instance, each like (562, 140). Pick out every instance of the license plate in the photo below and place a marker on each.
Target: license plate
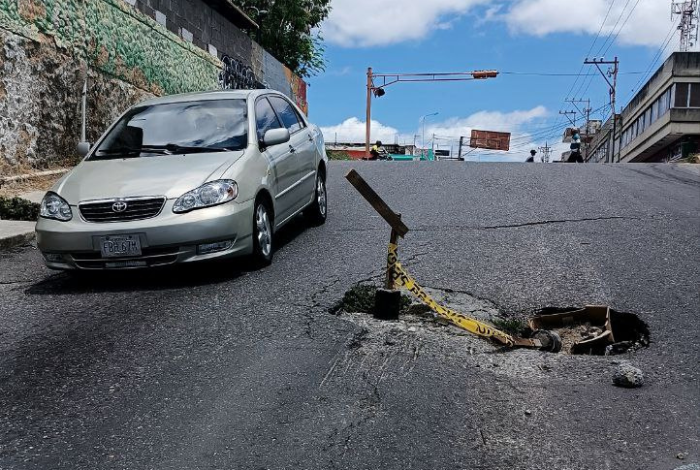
(117, 246)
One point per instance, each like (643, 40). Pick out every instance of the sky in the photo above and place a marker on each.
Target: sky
(538, 46)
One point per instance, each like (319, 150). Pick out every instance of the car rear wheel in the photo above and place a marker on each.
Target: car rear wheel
(318, 210)
(262, 234)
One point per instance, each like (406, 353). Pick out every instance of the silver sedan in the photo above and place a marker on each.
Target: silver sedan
(187, 178)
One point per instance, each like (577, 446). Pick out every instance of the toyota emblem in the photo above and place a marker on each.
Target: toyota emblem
(119, 206)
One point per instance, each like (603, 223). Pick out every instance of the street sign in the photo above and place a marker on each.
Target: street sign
(490, 140)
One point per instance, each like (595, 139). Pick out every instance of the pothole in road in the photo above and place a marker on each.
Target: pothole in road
(583, 331)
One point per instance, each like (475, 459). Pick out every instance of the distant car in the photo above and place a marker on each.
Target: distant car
(187, 178)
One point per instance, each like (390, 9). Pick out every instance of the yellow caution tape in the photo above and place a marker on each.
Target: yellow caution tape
(401, 278)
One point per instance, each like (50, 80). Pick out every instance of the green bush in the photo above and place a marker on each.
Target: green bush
(18, 209)
(338, 155)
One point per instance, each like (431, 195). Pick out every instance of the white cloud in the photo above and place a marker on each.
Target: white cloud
(352, 130)
(361, 23)
(648, 24)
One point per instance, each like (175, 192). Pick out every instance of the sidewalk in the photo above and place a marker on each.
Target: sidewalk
(14, 232)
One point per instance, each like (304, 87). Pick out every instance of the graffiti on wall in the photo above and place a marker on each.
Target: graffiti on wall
(235, 75)
(298, 89)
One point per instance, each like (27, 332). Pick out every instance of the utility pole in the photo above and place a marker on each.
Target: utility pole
(611, 73)
(688, 26)
(368, 124)
(567, 113)
(585, 112)
(546, 151)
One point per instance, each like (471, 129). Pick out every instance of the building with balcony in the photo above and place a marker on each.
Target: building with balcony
(662, 121)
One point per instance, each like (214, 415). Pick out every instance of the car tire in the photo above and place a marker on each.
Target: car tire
(263, 247)
(318, 210)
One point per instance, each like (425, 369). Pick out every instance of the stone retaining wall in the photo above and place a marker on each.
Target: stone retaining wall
(50, 46)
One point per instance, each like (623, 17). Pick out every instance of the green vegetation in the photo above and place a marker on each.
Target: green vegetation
(338, 155)
(287, 31)
(512, 326)
(18, 209)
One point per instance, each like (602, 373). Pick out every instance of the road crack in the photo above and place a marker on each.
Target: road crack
(559, 221)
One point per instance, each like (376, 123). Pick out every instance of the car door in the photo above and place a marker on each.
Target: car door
(303, 161)
(280, 157)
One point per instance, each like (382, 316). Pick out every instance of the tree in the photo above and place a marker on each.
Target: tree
(289, 31)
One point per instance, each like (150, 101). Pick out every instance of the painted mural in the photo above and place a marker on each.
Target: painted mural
(126, 56)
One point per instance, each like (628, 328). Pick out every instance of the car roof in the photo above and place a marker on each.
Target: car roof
(208, 96)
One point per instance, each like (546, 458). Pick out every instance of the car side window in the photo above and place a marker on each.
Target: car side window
(290, 118)
(265, 118)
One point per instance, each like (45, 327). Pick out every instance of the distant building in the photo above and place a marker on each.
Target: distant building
(662, 121)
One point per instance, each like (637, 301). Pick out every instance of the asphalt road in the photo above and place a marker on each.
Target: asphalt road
(213, 367)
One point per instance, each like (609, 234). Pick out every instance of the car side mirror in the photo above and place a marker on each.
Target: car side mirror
(275, 137)
(83, 148)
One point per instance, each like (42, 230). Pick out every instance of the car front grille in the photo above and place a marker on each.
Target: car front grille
(121, 210)
(151, 257)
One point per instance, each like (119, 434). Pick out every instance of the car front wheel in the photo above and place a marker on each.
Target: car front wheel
(318, 211)
(262, 234)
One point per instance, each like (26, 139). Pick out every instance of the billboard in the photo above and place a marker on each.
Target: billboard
(490, 140)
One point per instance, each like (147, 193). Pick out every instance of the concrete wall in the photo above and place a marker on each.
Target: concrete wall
(657, 140)
(128, 52)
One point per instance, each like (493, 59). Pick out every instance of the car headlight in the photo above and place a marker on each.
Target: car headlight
(55, 207)
(207, 195)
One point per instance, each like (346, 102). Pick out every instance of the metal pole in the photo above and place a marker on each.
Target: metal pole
(614, 110)
(459, 152)
(83, 131)
(369, 111)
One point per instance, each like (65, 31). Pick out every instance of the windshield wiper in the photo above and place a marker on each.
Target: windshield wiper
(176, 148)
(167, 149)
(124, 150)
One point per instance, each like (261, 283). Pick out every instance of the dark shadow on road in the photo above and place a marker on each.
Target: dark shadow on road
(163, 278)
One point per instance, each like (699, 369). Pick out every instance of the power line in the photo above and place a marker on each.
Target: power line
(660, 53)
(613, 29)
(547, 74)
(597, 36)
(621, 27)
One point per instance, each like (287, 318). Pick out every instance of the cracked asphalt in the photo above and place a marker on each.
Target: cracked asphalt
(219, 367)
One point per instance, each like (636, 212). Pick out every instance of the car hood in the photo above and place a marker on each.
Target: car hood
(167, 175)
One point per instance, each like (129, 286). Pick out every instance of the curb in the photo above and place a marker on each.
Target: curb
(10, 179)
(16, 240)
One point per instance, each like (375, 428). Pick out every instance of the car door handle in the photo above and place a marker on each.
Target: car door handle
(311, 138)
(292, 149)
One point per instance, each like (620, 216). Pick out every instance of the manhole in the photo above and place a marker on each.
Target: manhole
(590, 330)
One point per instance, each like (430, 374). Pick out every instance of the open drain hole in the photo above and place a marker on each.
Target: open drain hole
(593, 330)
(590, 330)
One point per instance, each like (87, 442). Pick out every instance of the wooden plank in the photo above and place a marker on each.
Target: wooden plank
(391, 217)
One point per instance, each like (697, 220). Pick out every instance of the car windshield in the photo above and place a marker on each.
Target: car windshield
(177, 128)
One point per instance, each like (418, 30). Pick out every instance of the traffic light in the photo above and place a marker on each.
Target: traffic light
(379, 92)
(482, 74)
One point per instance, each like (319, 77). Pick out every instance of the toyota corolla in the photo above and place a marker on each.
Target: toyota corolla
(187, 178)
